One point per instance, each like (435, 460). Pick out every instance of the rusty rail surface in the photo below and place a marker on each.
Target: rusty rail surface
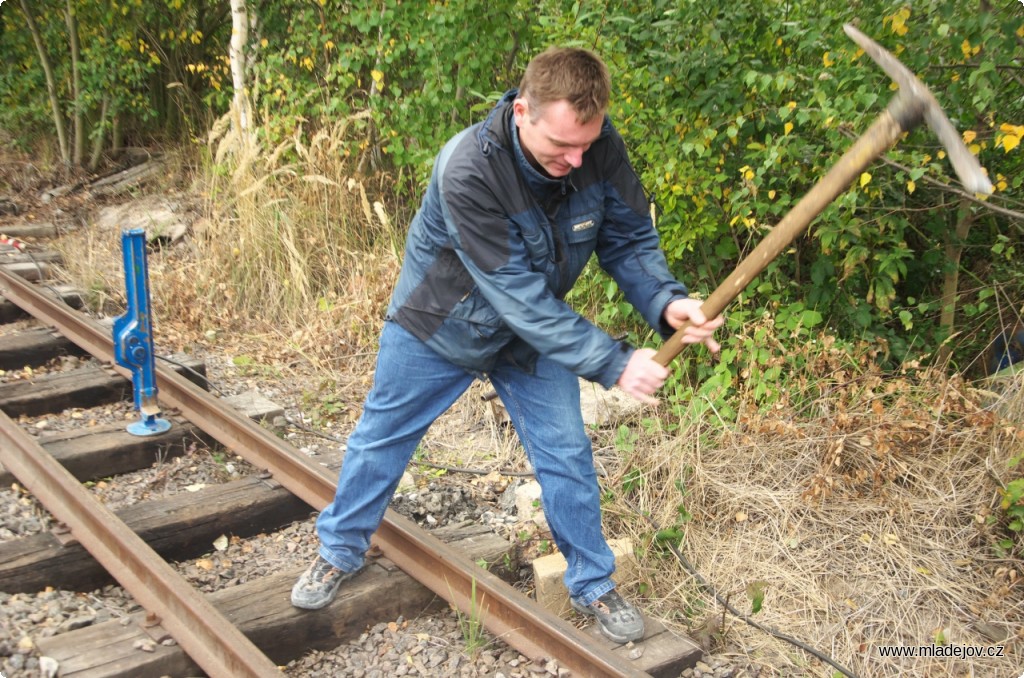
(513, 618)
(210, 639)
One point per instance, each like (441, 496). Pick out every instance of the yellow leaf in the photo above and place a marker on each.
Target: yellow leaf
(899, 21)
(377, 76)
(740, 516)
(911, 186)
(771, 194)
(865, 179)
(890, 539)
(865, 538)
(1012, 129)
(788, 127)
(205, 564)
(1010, 142)
(1001, 186)
(969, 136)
(940, 155)
(827, 60)
(975, 149)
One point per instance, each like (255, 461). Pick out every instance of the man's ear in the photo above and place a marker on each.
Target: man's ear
(520, 109)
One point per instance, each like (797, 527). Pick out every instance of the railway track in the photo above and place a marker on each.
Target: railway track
(250, 629)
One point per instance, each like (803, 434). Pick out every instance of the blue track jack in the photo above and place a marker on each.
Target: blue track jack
(133, 335)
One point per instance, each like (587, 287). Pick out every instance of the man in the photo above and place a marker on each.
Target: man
(515, 208)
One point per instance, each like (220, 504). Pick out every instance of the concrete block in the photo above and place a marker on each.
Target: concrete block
(255, 405)
(549, 570)
(407, 483)
(528, 506)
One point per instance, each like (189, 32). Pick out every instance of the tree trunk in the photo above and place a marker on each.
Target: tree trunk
(78, 142)
(116, 133)
(372, 150)
(105, 113)
(101, 134)
(951, 281)
(239, 37)
(51, 85)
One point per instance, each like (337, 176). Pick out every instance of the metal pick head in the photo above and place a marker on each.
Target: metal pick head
(965, 164)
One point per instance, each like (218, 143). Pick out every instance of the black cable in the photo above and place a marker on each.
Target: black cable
(190, 370)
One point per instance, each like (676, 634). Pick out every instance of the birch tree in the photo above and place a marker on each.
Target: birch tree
(239, 36)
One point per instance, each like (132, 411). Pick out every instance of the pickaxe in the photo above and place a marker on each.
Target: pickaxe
(912, 104)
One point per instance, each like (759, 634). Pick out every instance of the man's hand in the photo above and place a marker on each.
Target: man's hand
(643, 376)
(700, 330)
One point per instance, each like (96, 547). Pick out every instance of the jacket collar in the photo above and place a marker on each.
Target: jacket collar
(493, 131)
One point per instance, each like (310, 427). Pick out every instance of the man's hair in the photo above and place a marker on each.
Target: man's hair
(576, 75)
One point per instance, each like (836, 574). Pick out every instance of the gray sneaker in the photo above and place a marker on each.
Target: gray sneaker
(619, 620)
(319, 584)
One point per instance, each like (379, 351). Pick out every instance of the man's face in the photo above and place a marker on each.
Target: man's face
(555, 142)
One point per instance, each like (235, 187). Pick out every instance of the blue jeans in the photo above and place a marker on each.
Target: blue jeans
(412, 387)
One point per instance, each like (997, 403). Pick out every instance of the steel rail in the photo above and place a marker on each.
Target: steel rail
(201, 630)
(513, 618)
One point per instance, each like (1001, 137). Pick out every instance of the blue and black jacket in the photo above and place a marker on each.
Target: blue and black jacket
(496, 246)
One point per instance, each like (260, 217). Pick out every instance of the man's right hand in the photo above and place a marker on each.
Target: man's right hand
(643, 376)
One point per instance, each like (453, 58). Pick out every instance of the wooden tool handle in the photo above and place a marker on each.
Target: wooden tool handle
(901, 115)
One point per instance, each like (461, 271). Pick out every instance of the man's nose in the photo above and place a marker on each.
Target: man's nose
(574, 157)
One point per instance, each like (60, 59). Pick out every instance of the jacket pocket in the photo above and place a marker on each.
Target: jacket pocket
(476, 315)
(580, 234)
(538, 243)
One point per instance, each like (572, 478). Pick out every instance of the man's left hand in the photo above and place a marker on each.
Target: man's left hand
(700, 329)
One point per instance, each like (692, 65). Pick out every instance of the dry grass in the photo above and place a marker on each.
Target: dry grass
(290, 247)
(868, 520)
(293, 240)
